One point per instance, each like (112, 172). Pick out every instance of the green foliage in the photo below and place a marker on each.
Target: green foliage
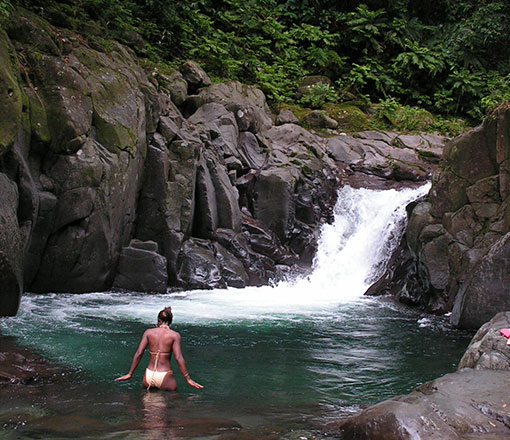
(445, 56)
(318, 95)
(390, 114)
(5, 10)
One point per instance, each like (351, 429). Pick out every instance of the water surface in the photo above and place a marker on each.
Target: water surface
(277, 361)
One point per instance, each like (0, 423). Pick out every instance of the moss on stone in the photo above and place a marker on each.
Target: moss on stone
(350, 118)
(114, 136)
(11, 96)
(427, 156)
(38, 117)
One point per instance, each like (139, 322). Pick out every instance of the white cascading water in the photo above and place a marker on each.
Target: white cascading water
(352, 253)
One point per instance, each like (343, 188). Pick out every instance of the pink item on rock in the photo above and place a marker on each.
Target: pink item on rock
(505, 332)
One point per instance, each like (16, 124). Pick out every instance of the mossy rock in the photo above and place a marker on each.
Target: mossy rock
(11, 99)
(38, 117)
(26, 27)
(350, 118)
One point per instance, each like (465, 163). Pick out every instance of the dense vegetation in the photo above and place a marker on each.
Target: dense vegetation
(449, 57)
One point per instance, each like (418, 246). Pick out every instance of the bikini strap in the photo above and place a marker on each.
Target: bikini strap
(155, 369)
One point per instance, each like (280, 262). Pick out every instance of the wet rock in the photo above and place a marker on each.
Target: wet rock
(197, 266)
(19, 365)
(488, 349)
(141, 268)
(462, 405)
(11, 249)
(456, 406)
(260, 269)
(487, 291)
(232, 270)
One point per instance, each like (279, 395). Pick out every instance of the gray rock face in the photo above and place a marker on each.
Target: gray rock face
(141, 268)
(11, 249)
(198, 267)
(459, 237)
(488, 348)
(487, 291)
(388, 155)
(96, 152)
(468, 404)
(274, 205)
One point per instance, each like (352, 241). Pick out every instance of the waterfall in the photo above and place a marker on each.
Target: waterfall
(352, 253)
(355, 248)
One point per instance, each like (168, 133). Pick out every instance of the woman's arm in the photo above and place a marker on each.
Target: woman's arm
(136, 358)
(176, 348)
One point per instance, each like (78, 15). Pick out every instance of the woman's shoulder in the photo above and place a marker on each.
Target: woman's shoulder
(175, 334)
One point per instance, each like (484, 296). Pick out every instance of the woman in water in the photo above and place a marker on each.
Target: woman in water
(162, 343)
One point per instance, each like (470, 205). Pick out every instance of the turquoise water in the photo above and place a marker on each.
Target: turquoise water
(279, 361)
(289, 371)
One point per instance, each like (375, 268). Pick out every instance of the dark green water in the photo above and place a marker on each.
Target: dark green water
(271, 374)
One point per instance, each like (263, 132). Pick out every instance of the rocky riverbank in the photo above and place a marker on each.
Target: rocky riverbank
(472, 403)
(456, 252)
(118, 176)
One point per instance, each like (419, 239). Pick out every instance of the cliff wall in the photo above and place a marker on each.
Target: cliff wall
(112, 175)
(455, 256)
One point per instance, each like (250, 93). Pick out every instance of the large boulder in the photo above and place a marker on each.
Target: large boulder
(468, 404)
(457, 406)
(487, 291)
(488, 348)
(11, 249)
(247, 103)
(194, 75)
(141, 268)
(206, 265)
(274, 201)
(459, 236)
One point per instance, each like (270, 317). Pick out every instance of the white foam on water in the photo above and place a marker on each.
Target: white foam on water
(352, 253)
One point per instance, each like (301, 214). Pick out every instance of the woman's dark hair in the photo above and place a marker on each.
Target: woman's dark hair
(166, 315)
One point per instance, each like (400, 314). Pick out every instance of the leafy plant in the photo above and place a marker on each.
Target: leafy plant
(5, 10)
(318, 95)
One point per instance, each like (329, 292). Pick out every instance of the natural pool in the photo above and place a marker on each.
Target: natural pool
(280, 362)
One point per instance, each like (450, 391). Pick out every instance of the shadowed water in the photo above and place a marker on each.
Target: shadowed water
(274, 360)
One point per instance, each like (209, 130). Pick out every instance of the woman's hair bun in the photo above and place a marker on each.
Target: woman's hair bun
(166, 315)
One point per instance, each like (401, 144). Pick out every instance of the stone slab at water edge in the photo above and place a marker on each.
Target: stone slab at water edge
(472, 403)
